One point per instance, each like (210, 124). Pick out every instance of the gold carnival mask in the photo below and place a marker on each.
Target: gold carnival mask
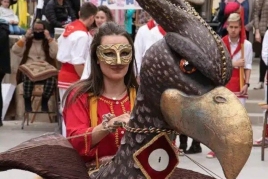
(115, 54)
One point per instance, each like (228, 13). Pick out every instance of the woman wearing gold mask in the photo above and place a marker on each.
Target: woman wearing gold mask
(108, 95)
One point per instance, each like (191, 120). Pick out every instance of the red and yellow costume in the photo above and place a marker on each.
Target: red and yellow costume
(67, 74)
(84, 114)
(234, 83)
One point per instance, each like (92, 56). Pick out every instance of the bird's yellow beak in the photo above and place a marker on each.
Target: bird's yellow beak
(217, 119)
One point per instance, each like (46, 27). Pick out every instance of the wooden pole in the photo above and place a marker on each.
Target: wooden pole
(241, 70)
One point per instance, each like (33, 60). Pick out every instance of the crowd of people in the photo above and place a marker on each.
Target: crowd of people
(100, 65)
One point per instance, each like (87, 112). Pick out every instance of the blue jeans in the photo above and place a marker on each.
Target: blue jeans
(15, 29)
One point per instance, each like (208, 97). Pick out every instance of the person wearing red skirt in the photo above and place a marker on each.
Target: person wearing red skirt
(241, 53)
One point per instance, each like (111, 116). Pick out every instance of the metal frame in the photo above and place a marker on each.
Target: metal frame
(263, 145)
(26, 117)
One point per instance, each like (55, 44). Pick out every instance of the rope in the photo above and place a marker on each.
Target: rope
(209, 172)
(40, 143)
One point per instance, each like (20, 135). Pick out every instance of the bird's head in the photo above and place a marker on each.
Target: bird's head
(184, 75)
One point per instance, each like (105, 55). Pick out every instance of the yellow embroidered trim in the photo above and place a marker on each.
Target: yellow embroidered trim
(147, 145)
(93, 114)
(93, 102)
(132, 97)
(112, 111)
(117, 138)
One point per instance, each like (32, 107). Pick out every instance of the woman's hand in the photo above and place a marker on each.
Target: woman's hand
(47, 35)
(124, 118)
(244, 90)
(258, 36)
(28, 34)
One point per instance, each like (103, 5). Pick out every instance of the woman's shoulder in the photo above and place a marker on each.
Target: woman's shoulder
(75, 93)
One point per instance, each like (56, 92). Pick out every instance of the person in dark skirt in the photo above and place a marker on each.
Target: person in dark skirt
(4, 59)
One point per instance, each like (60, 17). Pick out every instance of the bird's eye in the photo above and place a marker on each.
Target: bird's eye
(186, 67)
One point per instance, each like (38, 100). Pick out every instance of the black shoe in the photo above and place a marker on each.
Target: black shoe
(28, 104)
(1, 123)
(194, 150)
(183, 144)
(183, 147)
(44, 106)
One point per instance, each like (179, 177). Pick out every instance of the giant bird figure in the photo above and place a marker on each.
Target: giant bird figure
(182, 89)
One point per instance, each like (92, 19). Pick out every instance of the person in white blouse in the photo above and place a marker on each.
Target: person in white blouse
(146, 36)
(264, 54)
(265, 48)
(233, 42)
(141, 43)
(73, 50)
(10, 17)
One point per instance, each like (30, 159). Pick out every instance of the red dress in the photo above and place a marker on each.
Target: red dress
(234, 83)
(77, 120)
(67, 74)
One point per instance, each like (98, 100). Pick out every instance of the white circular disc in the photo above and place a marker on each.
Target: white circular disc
(158, 160)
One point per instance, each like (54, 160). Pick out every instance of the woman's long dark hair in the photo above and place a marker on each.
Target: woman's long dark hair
(28, 45)
(94, 84)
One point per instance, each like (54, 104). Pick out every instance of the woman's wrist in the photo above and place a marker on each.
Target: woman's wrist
(107, 123)
(50, 39)
(257, 31)
(23, 39)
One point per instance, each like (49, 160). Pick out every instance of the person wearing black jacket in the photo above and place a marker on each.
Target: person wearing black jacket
(11, 2)
(75, 4)
(58, 13)
(4, 59)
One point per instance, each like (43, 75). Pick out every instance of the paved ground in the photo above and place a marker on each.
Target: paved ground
(11, 135)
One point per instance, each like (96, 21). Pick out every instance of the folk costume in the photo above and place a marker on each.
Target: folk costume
(147, 151)
(87, 67)
(74, 46)
(235, 50)
(146, 36)
(88, 111)
(85, 113)
(156, 33)
(265, 61)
